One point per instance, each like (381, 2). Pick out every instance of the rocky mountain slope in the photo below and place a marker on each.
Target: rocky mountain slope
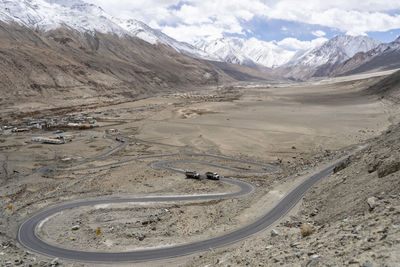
(383, 57)
(65, 65)
(320, 61)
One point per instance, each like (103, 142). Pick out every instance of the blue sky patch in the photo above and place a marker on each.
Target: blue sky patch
(385, 37)
(276, 29)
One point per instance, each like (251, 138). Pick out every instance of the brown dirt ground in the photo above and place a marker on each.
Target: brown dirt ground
(298, 127)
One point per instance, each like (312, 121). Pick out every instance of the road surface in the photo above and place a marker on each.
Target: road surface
(28, 238)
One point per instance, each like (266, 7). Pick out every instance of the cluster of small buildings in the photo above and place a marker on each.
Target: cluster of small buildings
(56, 140)
(68, 121)
(53, 123)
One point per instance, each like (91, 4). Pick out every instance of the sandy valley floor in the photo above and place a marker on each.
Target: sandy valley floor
(296, 127)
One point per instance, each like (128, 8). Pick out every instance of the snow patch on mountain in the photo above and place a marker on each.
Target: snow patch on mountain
(6, 18)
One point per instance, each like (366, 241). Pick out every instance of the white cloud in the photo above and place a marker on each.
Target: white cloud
(194, 32)
(318, 33)
(346, 15)
(295, 44)
(191, 19)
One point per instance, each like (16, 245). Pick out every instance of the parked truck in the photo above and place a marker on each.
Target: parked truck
(192, 175)
(212, 175)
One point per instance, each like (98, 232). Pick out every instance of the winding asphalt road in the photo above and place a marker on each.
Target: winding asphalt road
(104, 155)
(161, 165)
(28, 238)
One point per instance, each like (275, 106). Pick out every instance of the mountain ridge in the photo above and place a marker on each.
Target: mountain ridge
(341, 55)
(320, 61)
(384, 57)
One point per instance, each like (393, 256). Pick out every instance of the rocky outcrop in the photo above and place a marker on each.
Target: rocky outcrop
(389, 166)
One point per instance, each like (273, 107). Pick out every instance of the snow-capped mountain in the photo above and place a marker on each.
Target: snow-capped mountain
(46, 15)
(336, 50)
(245, 52)
(322, 60)
(386, 48)
(384, 56)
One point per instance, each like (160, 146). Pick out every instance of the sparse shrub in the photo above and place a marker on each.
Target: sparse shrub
(306, 229)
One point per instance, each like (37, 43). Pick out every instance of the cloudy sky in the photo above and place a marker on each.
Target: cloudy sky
(292, 24)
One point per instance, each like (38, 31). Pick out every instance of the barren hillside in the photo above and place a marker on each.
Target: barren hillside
(389, 87)
(64, 67)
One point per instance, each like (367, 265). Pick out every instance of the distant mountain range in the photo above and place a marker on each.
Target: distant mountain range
(383, 57)
(245, 52)
(338, 56)
(322, 60)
